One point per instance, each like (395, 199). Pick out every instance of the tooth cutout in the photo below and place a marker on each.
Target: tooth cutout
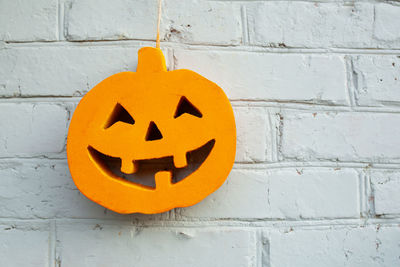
(163, 179)
(184, 106)
(128, 166)
(153, 133)
(180, 160)
(119, 113)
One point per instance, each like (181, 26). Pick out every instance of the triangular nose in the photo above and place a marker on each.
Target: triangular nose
(153, 133)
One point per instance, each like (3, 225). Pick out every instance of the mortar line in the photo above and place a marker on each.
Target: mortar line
(266, 250)
(245, 30)
(171, 60)
(52, 244)
(203, 47)
(289, 105)
(258, 251)
(316, 164)
(174, 60)
(244, 165)
(362, 194)
(204, 222)
(58, 21)
(370, 195)
(349, 81)
(310, 1)
(272, 134)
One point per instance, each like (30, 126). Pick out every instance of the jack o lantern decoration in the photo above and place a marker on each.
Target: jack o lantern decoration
(133, 121)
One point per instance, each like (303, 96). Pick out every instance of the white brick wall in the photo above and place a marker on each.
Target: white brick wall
(385, 186)
(313, 24)
(271, 77)
(32, 129)
(376, 78)
(336, 246)
(154, 246)
(341, 136)
(25, 20)
(315, 90)
(24, 244)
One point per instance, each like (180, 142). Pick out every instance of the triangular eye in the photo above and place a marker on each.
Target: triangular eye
(184, 106)
(119, 113)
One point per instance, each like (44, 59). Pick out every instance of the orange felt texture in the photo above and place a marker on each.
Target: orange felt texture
(137, 116)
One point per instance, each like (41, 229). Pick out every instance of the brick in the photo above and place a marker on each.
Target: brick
(386, 187)
(32, 129)
(306, 193)
(154, 246)
(377, 79)
(24, 244)
(244, 195)
(386, 26)
(96, 20)
(61, 71)
(272, 77)
(305, 24)
(361, 246)
(202, 22)
(25, 20)
(252, 134)
(45, 189)
(105, 20)
(346, 136)
(315, 25)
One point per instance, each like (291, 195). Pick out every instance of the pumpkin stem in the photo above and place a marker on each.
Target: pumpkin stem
(151, 60)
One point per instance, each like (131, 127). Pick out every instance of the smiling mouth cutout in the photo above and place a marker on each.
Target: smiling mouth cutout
(145, 174)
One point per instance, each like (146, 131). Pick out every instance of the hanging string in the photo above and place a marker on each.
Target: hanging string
(158, 24)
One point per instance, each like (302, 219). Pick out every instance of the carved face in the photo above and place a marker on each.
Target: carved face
(176, 120)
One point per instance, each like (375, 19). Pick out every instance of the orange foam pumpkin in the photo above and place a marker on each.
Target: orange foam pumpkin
(136, 118)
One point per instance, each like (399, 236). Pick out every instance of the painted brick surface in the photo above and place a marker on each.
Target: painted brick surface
(44, 190)
(97, 20)
(251, 145)
(386, 24)
(341, 136)
(386, 186)
(61, 71)
(377, 79)
(24, 20)
(313, 193)
(24, 244)
(306, 193)
(152, 246)
(355, 246)
(244, 195)
(214, 23)
(30, 129)
(314, 86)
(312, 24)
(264, 76)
